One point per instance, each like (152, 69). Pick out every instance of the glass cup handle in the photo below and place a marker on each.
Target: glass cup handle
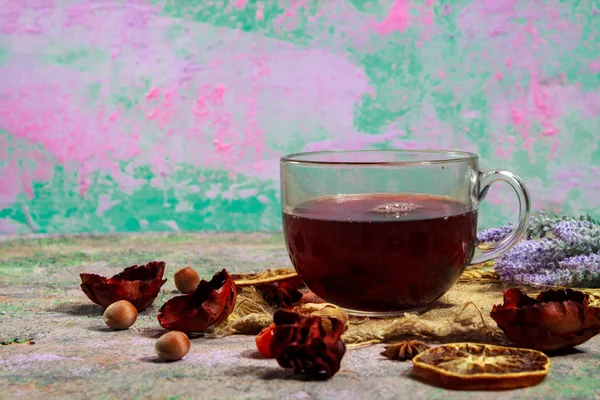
(490, 251)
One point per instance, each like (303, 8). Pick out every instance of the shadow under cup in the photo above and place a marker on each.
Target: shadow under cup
(379, 233)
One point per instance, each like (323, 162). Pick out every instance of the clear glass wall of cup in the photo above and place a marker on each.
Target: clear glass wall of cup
(380, 233)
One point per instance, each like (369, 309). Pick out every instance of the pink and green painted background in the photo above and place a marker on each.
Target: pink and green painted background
(140, 115)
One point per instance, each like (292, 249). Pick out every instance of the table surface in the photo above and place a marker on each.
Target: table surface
(74, 354)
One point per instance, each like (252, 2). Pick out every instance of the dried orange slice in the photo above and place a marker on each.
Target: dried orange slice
(473, 366)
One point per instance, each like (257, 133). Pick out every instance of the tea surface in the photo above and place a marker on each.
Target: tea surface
(380, 252)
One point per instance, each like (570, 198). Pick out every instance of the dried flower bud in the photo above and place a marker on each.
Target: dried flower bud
(120, 315)
(186, 279)
(326, 311)
(556, 319)
(302, 343)
(138, 284)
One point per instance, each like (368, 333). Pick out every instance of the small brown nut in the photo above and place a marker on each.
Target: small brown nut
(172, 346)
(186, 279)
(120, 315)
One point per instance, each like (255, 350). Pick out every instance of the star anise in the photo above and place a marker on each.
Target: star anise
(279, 294)
(404, 350)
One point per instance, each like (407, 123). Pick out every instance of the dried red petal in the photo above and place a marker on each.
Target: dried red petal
(279, 294)
(556, 319)
(138, 284)
(196, 311)
(302, 343)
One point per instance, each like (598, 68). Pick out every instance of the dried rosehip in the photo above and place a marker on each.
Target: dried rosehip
(196, 311)
(302, 343)
(263, 341)
(138, 284)
(556, 319)
(279, 294)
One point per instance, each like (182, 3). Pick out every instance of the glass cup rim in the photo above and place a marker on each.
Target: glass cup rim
(424, 157)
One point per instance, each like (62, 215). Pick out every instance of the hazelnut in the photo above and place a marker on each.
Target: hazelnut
(120, 315)
(186, 279)
(172, 346)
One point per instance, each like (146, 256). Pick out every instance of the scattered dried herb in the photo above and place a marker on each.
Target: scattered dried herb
(16, 341)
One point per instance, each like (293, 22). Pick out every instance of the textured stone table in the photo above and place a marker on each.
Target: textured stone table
(75, 355)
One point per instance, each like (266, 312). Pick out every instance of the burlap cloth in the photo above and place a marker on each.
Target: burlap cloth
(462, 314)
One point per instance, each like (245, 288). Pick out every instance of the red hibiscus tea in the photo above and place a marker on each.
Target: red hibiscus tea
(380, 252)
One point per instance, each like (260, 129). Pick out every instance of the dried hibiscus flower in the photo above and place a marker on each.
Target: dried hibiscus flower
(556, 319)
(138, 284)
(196, 311)
(302, 343)
(279, 294)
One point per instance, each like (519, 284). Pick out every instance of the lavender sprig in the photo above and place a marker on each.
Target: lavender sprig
(539, 227)
(576, 232)
(494, 234)
(585, 269)
(571, 257)
(578, 271)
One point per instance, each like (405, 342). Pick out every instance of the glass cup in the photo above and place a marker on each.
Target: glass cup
(380, 233)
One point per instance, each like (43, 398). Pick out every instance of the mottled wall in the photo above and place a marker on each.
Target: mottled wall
(163, 115)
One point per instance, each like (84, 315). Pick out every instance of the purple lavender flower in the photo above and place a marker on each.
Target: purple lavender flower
(527, 258)
(494, 234)
(585, 269)
(590, 261)
(532, 254)
(570, 258)
(540, 226)
(545, 277)
(576, 232)
(578, 271)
